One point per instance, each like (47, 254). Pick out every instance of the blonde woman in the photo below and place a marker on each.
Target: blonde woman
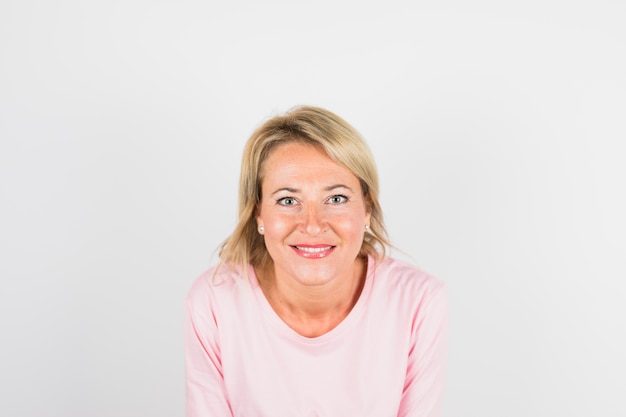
(306, 314)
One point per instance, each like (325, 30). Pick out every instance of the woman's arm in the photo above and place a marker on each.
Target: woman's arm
(205, 393)
(423, 389)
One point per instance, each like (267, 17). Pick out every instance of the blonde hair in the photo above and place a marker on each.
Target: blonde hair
(318, 127)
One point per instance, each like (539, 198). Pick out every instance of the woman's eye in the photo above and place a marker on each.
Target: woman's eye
(338, 199)
(287, 201)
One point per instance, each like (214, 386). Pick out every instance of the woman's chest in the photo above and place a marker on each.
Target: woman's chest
(357, 373)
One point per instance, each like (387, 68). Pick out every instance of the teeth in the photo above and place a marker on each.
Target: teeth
(313, 250)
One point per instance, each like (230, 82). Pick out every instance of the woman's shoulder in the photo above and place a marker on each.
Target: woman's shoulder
(395, 275)
(216, 281)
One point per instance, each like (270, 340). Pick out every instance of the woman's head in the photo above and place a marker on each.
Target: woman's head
(319, 128)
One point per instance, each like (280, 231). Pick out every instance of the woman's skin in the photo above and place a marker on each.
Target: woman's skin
(313, 215)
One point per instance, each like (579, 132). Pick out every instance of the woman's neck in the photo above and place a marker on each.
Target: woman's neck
(313, 311)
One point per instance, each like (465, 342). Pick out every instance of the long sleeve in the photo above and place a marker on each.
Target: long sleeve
(423, 390)
(205, 392)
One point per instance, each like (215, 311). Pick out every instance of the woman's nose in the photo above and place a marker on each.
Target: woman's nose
(313, 221)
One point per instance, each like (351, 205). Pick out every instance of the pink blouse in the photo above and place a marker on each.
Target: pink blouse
(386, 358)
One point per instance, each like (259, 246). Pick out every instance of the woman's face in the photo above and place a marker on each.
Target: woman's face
(313, 215)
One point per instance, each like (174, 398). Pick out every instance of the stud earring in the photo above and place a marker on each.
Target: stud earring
(367, 229)
(261, 229)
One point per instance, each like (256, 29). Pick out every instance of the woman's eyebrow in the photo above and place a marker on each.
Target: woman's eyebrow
(287, 189)
(335, 186)
(296, 190)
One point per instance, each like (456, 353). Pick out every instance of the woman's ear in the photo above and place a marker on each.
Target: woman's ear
(368, 210)
(259, 223)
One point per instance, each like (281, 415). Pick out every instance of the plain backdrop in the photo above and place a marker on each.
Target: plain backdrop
(498, 130)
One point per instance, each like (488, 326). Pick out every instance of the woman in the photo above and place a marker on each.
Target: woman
(306, 315)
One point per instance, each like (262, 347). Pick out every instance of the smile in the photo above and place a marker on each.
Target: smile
(313, 251)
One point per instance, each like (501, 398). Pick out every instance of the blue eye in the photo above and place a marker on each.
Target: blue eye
(286, 201)
(338, 199)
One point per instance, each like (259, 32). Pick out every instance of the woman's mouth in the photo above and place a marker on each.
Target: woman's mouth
(313, 251)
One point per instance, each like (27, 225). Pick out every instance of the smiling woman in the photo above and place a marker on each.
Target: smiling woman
(306, 315)
(314, 216)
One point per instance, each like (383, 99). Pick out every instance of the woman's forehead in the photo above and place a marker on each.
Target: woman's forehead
(303, 163)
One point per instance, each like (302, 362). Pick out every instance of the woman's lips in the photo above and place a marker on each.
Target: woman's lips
(313, 251)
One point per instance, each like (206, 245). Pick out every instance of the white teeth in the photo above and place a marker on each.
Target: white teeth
(314, 250)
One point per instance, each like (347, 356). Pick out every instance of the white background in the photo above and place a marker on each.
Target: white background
(498, 129)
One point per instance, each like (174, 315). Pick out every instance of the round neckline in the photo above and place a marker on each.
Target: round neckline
(283, 329)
